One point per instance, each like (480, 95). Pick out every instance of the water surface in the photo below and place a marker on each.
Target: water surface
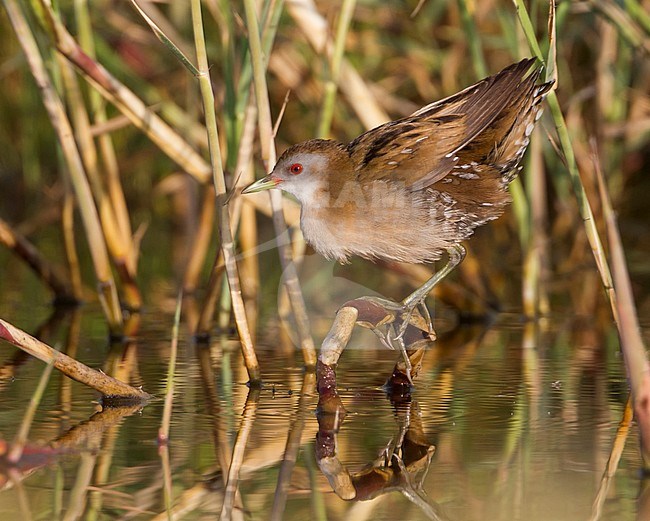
(511, 422)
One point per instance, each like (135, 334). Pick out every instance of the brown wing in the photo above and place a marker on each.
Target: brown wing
(411, 150)
(422, 148)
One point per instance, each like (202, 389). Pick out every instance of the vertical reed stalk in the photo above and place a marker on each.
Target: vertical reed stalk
(106, 286)
(142, 117)
(269, 156)
(332, 83)
(632, 346)
(163, 432)
(227, 244)
(235, 103)
(292, 446)
(120, 247)
(238, 451)
(67, 224)
(248, 237)
(535, 297)
(21, 437)
(569, 156)
(109, 160)
(201, 240)
(473, 39)
(168, 488)
(209, 304)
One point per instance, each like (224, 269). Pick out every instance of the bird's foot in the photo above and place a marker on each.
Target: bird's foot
(398, 342)
(400, 326)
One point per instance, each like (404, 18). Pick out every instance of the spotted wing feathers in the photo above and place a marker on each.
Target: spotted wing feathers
(423, 148)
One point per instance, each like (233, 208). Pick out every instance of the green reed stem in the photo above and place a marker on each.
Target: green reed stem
(227, 243)
(331, 85)
(527, 26)
(569, 155)
(175, 50)
(270, 16)
(638, 13)
(473, 39)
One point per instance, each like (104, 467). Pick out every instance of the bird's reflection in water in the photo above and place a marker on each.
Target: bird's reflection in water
(401, 466)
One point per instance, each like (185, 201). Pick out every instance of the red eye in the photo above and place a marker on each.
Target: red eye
(295, 169)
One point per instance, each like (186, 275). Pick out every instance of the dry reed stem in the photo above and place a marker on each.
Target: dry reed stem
(201, 240)
(238, 451)
(294, 439)
(315, 28)
(163, 432)
(107, 150)
(534, 298)
(67, 225)
(49, 274)
(206, 223)
(119, 245)
(244, 155)
(166, 33)
(166, 138)
(339, 335)
(634, 351)
(103, 383)
(265, 127)
(106, 285)
(245, 215)
(168, 491)
(212, 294)
(613, 460)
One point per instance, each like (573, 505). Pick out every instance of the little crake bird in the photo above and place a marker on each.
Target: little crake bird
(416, 187)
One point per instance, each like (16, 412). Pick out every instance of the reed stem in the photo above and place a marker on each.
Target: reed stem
(269, 156)
(107, 290)
(332, 83)
(227, 242)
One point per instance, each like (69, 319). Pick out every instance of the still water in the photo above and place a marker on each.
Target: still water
(506, 422)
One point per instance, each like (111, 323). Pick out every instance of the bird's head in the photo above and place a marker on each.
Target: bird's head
(305, 170)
